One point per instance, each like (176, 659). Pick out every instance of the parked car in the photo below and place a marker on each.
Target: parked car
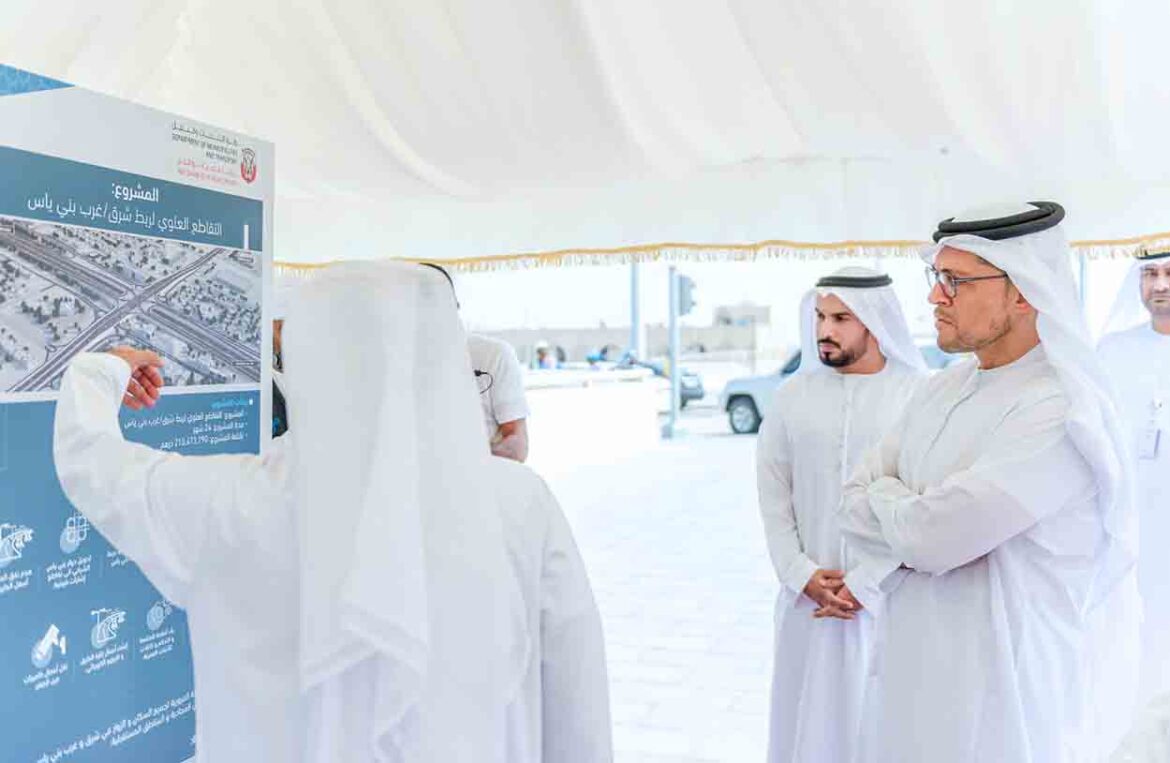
(690, 388)
(690, 383)
(746, 399)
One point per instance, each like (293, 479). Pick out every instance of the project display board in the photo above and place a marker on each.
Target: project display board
(119, 225)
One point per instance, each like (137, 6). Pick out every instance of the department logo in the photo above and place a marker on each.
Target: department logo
(248, 168)
(13, 539)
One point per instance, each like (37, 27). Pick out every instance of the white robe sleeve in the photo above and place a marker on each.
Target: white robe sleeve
(575, 685)
(157, 508)
(774, 484)
(871, 561)
(1027, 473)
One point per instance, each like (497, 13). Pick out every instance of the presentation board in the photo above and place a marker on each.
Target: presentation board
(119, 225)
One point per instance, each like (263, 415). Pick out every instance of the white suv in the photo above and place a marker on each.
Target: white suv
(746, 399)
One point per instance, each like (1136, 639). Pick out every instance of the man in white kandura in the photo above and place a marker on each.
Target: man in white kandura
(562, 715)
(993, 526)
(562, 711)
(349, 593)
(859, 366)
(1136, 354)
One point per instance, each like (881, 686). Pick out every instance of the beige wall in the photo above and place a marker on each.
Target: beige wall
(578, 343)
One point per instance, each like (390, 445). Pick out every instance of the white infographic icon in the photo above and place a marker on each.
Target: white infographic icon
(13, 539)
(42, 651)
(105, 629)
(158, 614)
(75, 532)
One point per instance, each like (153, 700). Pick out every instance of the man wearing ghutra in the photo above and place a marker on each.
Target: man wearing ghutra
(858, 368)
(993, 525)
(1136, 354)
(348, 593)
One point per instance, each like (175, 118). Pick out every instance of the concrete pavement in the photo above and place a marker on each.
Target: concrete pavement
(675, 550)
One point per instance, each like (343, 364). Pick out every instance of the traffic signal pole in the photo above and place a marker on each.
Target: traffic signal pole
(675, 373)
(637, 332)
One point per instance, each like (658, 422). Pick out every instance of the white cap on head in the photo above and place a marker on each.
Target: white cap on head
(870, 295)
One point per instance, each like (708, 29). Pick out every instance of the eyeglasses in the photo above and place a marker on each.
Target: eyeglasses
(950, 284)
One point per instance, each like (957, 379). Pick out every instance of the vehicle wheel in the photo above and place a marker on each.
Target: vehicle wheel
(682, 403)
(743, 416)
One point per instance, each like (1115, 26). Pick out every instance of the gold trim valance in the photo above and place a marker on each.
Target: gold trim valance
(761, 250)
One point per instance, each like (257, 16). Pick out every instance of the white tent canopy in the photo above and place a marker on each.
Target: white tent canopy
(458, 128)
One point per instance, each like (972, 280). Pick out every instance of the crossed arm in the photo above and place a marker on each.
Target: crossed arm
(1032, 471)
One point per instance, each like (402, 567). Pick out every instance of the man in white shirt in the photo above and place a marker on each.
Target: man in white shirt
(859, 366)
(501, 395)
(991, 531)
(501, 389)
(1136, 354)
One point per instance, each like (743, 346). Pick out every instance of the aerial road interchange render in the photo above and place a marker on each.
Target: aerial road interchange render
(66, 290)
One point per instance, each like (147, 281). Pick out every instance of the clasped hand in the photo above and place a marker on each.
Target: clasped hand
(827, 588)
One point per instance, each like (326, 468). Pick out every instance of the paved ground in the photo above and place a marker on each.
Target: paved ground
(676, 554)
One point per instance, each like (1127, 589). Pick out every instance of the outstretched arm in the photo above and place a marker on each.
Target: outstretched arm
(155, 507)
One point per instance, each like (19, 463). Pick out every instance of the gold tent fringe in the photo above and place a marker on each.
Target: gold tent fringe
(763, 250)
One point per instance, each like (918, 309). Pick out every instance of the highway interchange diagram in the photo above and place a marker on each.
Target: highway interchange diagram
(67, 289)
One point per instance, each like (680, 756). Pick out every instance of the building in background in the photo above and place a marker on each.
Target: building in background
(742, 334)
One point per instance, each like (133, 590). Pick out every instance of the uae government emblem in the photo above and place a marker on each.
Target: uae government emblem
(248, 167)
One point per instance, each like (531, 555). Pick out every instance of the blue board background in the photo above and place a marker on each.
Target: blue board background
(27, 175)
(81, 704)
(74, 721)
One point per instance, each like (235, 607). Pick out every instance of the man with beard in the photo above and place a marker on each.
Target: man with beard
(859, 367)
(1136, 354)
(993, 523)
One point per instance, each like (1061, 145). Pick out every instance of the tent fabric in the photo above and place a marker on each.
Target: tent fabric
(458, 129)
